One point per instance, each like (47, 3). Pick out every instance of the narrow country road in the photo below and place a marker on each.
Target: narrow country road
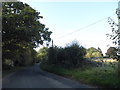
(34, 77)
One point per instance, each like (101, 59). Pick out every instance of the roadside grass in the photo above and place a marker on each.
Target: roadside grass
(99, 76)
(9, 71)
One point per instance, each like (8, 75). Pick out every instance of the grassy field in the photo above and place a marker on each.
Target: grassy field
(99, 76)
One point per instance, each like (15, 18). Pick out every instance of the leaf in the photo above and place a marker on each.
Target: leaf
(114, 37)
(41, 42)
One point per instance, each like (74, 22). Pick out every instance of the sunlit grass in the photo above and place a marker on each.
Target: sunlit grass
(106, 60)
(100, 76)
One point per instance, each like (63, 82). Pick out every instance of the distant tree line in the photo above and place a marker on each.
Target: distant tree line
(71, 56)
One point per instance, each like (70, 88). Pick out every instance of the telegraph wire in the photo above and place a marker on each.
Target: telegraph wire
(83, 28)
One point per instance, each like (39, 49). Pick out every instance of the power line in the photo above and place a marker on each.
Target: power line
(83, 28)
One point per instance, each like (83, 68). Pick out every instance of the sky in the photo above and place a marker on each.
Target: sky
(85, 22)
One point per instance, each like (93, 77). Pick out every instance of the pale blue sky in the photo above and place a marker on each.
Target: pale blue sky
(63, 18)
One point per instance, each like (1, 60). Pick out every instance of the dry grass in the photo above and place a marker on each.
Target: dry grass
(106, 60)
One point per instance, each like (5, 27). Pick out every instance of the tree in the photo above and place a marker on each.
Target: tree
(112, 52)
(93, 52)
(42, 54)
(70, 56)
(21, 30)
(74, 54)
(115, 36)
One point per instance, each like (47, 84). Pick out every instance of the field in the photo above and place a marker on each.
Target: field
(105, 60)
(105, 75)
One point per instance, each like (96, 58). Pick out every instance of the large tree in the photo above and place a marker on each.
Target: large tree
(112, 52)
(115, 36)
(93, 52)
(21, 30)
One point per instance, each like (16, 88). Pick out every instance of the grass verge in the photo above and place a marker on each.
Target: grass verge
(14, 69)
(98, 76)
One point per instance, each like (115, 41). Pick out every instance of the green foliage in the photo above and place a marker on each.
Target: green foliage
(98, 76)
(25, 57)
(21, 32)
(52, 55)
(115, 36)
(93, 52)
(74, 54)
(112, 52)
(70, 56)
(42, 54)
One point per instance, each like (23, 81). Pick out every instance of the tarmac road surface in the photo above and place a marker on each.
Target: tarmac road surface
(34, 77)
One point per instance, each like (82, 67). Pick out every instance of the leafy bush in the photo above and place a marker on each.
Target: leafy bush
(70, 56)
(52, 55)
(112, 53)
(75, 54)
(42, 54)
